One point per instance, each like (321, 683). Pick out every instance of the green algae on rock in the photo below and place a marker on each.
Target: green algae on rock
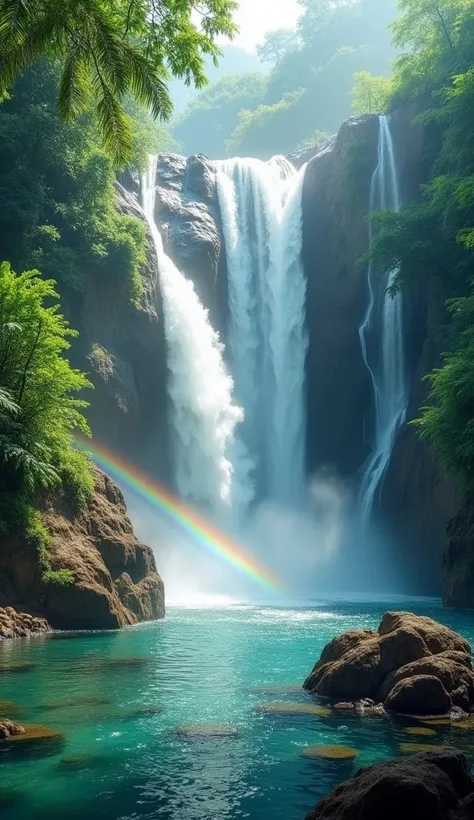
(330, 752)
(289, 709)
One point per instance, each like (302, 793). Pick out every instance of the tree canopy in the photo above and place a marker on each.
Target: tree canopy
(434, 239)
(309, 87)
(109, 49)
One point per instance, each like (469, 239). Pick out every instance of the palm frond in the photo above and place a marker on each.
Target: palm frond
(114, 125)
(8, 405)
(108, 50)
(16, 57)
(147, 86)
(15, 18)
(72, 93)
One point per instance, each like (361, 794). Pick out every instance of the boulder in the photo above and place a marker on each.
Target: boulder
(419, 694)
(357, 674)
(437, 637)
(433, 785)
(411, 664)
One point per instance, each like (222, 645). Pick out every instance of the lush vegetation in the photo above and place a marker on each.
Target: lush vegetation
(434, 239)
(308, 89)
(83, 84)
(108, 49)
(39, 408)
(214, 115)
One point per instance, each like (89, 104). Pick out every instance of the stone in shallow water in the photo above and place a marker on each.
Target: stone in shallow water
(467, 724)
(78, 761)
(277, 689)
(330, 752)
(133, 662)
(420, 730)
(148, 710)
(414, 748)
(35, 733)
(437, 721)
(207, 730)
(20, 666)
(67, 703)
(8, 707)
(290, 709)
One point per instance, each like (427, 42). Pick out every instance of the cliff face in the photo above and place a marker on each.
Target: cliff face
(116, 582)
(458, 560)
(122, 349)
(335, 203)
(187, 210)
(417, 498)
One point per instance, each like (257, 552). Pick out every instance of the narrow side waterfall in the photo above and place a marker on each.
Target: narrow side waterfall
(385, 360)
(208, 468)
(261, 209)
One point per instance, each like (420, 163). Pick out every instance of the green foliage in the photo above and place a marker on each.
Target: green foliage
(434, 238)
(110, 49)
(370, 95)
(276, 45)
(39, 411)
(207, 124)
(57, 191)
(260, 133)
(42, 410)
(308, 89)
(18, 516)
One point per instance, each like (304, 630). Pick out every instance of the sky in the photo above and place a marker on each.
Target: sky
(256, 17)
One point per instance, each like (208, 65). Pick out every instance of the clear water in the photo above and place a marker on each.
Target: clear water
(202, 666)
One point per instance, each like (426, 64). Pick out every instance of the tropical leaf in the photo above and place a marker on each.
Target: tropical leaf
(114, 125)
(72, 94)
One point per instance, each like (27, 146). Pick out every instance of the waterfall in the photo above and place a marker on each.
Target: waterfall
(384, 316)
(209, 469)
(261, 211)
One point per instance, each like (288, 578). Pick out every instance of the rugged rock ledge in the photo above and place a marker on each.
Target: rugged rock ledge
(116, 582)
(15, 624)
(429, 786)
(412, 664)
(458, 560)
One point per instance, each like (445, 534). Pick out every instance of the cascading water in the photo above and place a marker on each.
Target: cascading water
(384, 317)
(208, 469)
(261, 209)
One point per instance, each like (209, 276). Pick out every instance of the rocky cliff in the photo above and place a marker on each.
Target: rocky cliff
(417, 498)
(115, 578)
(124, 349)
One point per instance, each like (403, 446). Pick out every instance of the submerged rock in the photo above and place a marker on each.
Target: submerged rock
(416, 748)
(20, 666)
(423, 731)
(412, 664)
(68, 703)
(290, 709)
(8, 707)
(207, 730)
(330, 752)
(435, 785)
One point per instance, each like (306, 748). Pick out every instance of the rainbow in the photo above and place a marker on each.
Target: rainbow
(201, 531)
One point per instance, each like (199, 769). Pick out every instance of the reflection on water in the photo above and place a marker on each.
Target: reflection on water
(121, 698)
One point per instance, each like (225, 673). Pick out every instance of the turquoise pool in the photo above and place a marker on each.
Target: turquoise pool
(119, 700)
